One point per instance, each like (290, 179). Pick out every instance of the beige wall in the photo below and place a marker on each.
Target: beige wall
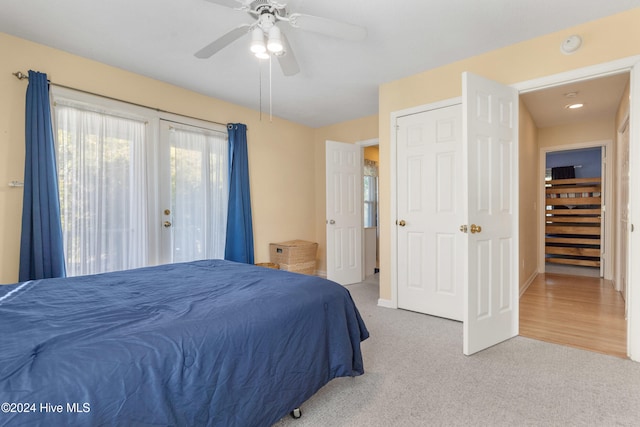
(582, 132)
(528, 196)
(351, 132)
(282, 157)
(604, 40)
(372, 153)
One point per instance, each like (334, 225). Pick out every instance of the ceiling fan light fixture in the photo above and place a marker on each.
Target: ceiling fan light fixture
(274, 45)
(262, 55)
(257, 41)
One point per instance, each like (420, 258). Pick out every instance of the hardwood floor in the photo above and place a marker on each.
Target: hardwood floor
(582, 312)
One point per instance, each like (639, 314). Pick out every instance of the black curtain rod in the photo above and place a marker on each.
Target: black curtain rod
(22, 76)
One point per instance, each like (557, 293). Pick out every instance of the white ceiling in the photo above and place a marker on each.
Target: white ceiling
(601, 98)
(338, 80)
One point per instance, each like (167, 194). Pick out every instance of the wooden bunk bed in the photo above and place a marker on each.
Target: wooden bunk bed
(573, 216)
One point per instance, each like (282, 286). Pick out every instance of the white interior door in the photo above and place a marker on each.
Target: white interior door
(430, 203)
(344, 212)
(490, 129)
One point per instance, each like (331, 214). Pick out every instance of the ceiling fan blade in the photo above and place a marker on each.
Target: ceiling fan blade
(287, 61)
(227, 3)
(328, 27)
(219, 44)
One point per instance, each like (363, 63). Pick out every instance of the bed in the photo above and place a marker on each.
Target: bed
(211, 342)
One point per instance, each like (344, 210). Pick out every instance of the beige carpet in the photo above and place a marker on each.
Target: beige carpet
(416, 375)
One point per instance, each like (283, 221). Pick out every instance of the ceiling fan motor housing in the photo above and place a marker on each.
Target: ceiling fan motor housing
(266, 21)
(261, 7)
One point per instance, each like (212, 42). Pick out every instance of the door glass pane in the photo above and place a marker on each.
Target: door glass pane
(199, 193)
(101, 173)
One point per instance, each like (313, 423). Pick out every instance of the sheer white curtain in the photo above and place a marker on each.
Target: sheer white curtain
(101, 170)
(199, 192)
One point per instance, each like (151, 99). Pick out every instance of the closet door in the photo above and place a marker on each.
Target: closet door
(490, 123)
(430, 212)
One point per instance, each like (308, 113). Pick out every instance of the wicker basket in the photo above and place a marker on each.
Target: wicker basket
(295, 255)
(301, 267)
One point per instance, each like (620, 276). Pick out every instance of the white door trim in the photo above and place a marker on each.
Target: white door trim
(393, 303)
(620, 232)
(607, 248)
(586, 73)
(633, 296)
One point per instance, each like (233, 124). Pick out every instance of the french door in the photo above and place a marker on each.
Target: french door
(193, 192)
(137, 187)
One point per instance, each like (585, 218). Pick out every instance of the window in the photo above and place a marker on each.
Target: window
(370, 194)
(117, 185)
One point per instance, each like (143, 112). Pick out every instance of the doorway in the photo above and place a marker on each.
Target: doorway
(576, 227)
(573, 136)
(370, 195)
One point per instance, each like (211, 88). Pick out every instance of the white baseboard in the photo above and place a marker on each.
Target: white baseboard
(528, 283)
(386, 303)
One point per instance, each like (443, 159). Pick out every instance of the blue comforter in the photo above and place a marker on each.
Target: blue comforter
(210, 342)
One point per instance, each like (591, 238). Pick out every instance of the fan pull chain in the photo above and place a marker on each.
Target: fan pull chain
(270, 92)
(260, 88)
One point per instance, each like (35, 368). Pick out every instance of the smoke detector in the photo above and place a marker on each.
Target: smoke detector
(571, 44)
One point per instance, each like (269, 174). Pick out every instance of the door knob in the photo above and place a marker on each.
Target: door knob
(402, 223)
(167, 224)
(475, 228)
(332, 222)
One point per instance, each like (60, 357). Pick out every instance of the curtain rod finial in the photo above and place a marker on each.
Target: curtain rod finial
(20, 75)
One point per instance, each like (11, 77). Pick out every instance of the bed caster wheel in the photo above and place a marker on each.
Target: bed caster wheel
(296, 413)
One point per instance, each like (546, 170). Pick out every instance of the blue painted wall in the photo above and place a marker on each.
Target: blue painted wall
(589, 158)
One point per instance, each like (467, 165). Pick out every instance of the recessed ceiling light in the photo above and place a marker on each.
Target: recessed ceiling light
(574, 106)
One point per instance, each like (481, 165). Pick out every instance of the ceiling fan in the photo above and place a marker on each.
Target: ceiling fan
(268, 15)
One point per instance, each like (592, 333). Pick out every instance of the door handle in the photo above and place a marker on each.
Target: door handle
(402, 223)
(167, 224)
(475, 229)
(331, 222)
